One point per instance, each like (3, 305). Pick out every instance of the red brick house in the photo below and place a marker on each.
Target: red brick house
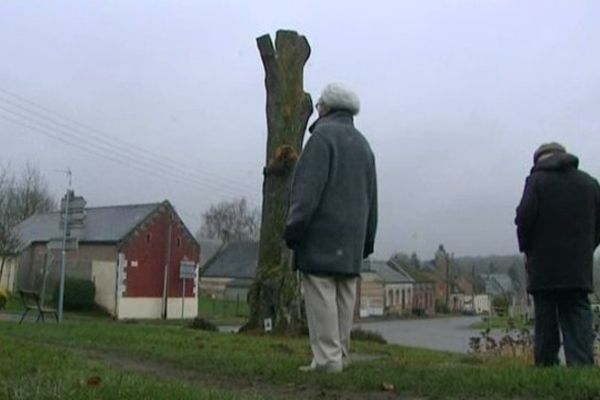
(132, 253)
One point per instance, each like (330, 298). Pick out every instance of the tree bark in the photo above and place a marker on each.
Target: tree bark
(3, 257)
(274, 294)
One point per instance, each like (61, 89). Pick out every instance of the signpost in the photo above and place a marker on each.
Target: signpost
(72, 217)
(187, 270)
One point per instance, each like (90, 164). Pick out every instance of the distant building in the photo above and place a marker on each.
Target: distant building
(397, 286)
(231, 271)
(370, 297)
(498, 285)
(210, 247)
(8, 278)
(132, 253)
(482, 304)
(423, 300)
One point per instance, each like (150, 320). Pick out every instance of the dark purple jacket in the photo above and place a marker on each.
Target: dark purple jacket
(558, 224)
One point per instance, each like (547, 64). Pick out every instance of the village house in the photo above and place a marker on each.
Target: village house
(133, 253)
(424, 289)
(397, 289)
(440, 284)
(461, 295)
(499, 285)
(229, 273)
(9, 271)
(370, 295)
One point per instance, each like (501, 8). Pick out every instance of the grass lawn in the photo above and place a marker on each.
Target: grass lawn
(13, 304)
(128, 356)
(504, 322)
(223, 311)
(35, 371)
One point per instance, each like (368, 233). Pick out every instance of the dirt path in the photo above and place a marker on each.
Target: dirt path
(169, 372)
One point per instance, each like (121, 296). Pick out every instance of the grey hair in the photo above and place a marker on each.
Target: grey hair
(336, 96)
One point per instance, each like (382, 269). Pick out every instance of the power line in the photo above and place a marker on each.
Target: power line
(123, 154)
(101, 137)
(111, 147)
(105, 156)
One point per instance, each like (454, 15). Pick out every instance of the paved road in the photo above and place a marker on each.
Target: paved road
(450, 334)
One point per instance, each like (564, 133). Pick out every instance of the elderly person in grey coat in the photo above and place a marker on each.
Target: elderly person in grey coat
(331, 223)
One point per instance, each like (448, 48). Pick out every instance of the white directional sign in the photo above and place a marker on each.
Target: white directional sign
(187, 270)
(57, 244)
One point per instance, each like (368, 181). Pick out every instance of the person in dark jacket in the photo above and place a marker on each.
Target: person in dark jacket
(331, 223)
(558, 228)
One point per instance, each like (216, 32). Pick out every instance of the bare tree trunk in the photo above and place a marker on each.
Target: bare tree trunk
(274, 294)
(2, 268)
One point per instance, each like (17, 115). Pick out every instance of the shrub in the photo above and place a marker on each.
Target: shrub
(79, 295)
(4, 295)
(500, 302)
(441, 307)
(203, 324)
(367, 336)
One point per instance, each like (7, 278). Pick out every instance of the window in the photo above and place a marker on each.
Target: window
(148, 237)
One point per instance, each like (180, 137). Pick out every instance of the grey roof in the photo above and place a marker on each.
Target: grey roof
(236, 260)
(102, 224)
(208, 249)
(240, 283)
(387, 273)
(370, 276)
(501, 281)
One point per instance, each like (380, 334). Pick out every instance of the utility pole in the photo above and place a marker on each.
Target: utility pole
(447, 281)
(473, 286)
(73, 217)
(66, 233)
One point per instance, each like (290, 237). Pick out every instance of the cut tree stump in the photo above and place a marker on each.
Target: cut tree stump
(274, 296)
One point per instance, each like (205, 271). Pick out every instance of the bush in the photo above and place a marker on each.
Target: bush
(500, 302)
(4, 295)
(441, 307)
(500, 305)
(203, 324)
(367, 336)
(79, 295)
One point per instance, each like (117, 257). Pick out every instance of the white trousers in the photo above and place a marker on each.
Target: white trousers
(329, 305)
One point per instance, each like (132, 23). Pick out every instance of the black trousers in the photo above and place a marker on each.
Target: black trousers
(570, 310)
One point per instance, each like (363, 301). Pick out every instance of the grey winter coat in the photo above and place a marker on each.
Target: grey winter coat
(558, 225)
(332, 215)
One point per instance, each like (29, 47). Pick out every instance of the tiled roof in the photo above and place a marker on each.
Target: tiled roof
(417, 274)
(386, 272)
(235, 260)
(102, 224)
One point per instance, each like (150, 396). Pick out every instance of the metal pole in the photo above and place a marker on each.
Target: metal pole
(166, 284)
(44, 279)
(182, 297)
(64, 259)
(447, 282)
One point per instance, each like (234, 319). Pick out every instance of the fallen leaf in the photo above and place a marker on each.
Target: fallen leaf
(388, 387)
(94, 381)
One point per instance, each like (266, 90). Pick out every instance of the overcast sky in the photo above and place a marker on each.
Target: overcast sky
(165, 100)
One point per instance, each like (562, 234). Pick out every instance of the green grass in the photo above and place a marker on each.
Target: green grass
(223, 311)
(13, 304)
(274, 361)
(504, 322)
(35, 371)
